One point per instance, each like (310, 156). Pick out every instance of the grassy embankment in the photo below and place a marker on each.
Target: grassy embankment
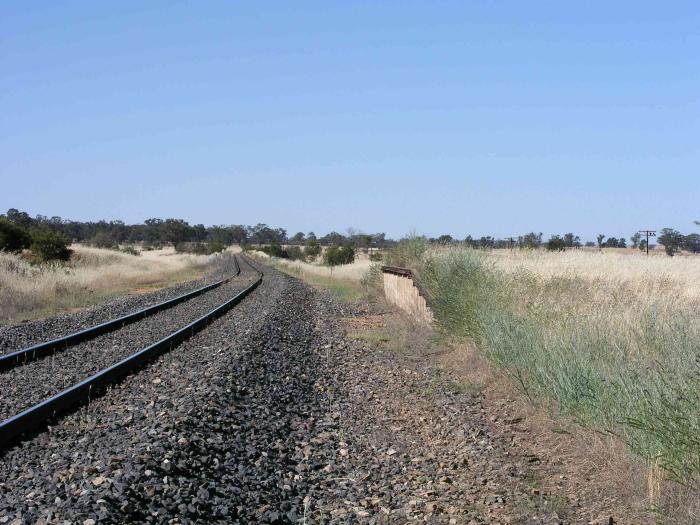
(92, 275)
(612, 340)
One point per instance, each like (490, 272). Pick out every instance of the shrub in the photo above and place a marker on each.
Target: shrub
(215, 247)
(408, 252)
(13, 238)
(376, 256)
(130, 250)
(275, 250)
(199, 248)
(312, 249)
(48, 245)
(337, 255)
(295, 253)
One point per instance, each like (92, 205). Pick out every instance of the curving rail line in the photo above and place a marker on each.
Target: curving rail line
(74, 396)
(40, 350)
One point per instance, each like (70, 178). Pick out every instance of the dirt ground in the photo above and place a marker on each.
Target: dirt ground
(469, 447)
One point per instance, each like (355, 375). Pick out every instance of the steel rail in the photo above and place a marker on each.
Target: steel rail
(72, 397)
(40, 350)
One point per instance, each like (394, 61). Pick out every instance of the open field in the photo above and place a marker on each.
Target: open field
(678, 275)
(609, 339)
(92, 275)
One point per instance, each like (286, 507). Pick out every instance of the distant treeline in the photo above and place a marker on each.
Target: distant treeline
(177, 232)
(673, 241)
(158, 232)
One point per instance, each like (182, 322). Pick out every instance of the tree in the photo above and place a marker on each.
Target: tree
(152, 231)
(298, 238)
(671, 240)
(20, 218)
(175, 230)
(333, 238)
(600, 239)
(486, 242)
(634, 239)
(556, 243)
(445, 239)
(199, 233)
(643, 245)
(531, 240)
(263, 234)
(239, 235)
(692, 243)
(13, 238)
(379, 239)
(572, 241)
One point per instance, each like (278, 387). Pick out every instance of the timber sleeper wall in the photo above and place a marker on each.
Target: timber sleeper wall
(401, 290)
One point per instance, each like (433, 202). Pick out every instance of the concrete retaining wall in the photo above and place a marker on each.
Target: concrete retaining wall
(400, 290)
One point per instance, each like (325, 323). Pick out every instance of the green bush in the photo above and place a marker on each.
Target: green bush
(556, 243)
(48, 245)
(215, 247)
(376, 256)
(312, 249)
(408, 252)
(337, 255)
(275, 250)
(295, 253)
(199, 248)
(12, 237)
(103, 240)
(130, 250)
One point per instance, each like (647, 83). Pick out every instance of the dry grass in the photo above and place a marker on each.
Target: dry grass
(678, 275)
(93, 274)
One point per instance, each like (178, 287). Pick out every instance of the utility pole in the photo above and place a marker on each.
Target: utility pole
(648, 233)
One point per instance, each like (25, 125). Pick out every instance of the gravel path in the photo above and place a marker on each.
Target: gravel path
(24, 386)
(271, 415)
(15, 337)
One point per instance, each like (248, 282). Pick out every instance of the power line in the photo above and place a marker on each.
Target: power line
(648, 233)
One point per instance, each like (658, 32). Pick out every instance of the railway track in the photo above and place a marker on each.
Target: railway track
(38, 414)
(38, 351)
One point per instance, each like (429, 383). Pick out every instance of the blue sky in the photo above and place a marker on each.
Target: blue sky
(460, 117)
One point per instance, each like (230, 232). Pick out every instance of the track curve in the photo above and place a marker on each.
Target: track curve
(23, 417)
